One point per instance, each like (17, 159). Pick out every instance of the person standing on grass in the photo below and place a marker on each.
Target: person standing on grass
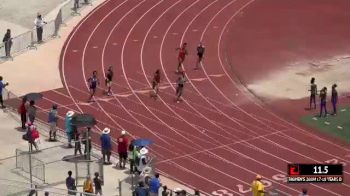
(39, 24)
(93, 83)
(53, 118)
(155, 84)
(69, 127)
(31, 111)
(154, 185)
(182, 54)
(313, 93)
(200, 53)
(98, 184)
(180, 87)
(122, 149)
(22, 110)
(109, 77)
(7, 40)
(323, 101)
(334, 98)
(70, 184)
(2, 86)
(106, 145)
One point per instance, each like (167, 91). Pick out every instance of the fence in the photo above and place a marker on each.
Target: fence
(28, 40)
(19, 188)
(22, 163)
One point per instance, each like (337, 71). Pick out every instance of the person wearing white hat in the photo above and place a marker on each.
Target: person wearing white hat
(69, 127)
(142, 160)
(123, 149)
(106, 145)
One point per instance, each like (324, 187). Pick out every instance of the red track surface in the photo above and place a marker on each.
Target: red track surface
(219, 137)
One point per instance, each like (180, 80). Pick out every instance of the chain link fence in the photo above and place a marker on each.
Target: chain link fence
(28, 40)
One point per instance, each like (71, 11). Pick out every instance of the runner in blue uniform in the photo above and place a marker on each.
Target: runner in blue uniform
(93, 83)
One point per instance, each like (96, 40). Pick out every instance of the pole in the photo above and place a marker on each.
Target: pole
(30, 164)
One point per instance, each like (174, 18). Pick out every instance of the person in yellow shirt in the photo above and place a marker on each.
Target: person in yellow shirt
(258, 188)
(88, 188)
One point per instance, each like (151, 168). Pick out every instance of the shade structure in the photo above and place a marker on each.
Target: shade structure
(33, 96)
(83, 120)
(142, 142)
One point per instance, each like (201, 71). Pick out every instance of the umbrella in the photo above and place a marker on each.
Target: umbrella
(33, 96)
(142, 142)
(83, 120)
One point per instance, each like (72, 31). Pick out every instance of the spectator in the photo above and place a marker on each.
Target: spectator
(76, 5)
(196, 193)
(142, 160)
(304, 192)
(258, 188)
(334, 98)
(69, 127)
(165, 191)
(35, 136)
(98, 184)
(77, 143)
(53, 118)
(87, 187)
(2, 86)
(22, 110)
(106, 145)
(29, 136)
(46, 193)
(141, 190)
(154, 185)
(31, 111)
(122, 149)
(7, 40)
(177, 191)
(39, 23)
(323, 101)
(70, 184)
(87, 144)
(131, 157)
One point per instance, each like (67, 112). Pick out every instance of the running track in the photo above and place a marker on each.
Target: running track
(219, 137)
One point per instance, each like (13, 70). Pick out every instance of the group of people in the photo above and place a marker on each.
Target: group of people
(94, 82)
(153, 186)
(91, 186)
(323, 98)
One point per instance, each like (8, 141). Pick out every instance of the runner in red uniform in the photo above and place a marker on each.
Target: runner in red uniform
(182, 54)
(155, 84)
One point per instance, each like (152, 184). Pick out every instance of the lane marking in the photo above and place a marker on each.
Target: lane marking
(155, 37)
(114, 44)
(75, 51)
(216, 75)
(94, 47)
(175, 33)
(194, 30)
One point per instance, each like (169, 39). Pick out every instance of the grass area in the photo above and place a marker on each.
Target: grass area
(338, 125)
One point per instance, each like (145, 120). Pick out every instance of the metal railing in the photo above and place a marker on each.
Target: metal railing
(22, 163)
(28, 40)
(19, 188)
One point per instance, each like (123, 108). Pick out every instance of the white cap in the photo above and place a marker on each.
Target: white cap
(106, 131)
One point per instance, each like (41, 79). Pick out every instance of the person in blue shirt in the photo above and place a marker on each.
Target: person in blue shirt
(141, 190)
(2, 86)
(106, 145)
(154, 185)
(93, 83)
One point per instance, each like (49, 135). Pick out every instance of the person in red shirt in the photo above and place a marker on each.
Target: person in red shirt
(22, 110)
(155, 84)
(123, 149)
(182, 54)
